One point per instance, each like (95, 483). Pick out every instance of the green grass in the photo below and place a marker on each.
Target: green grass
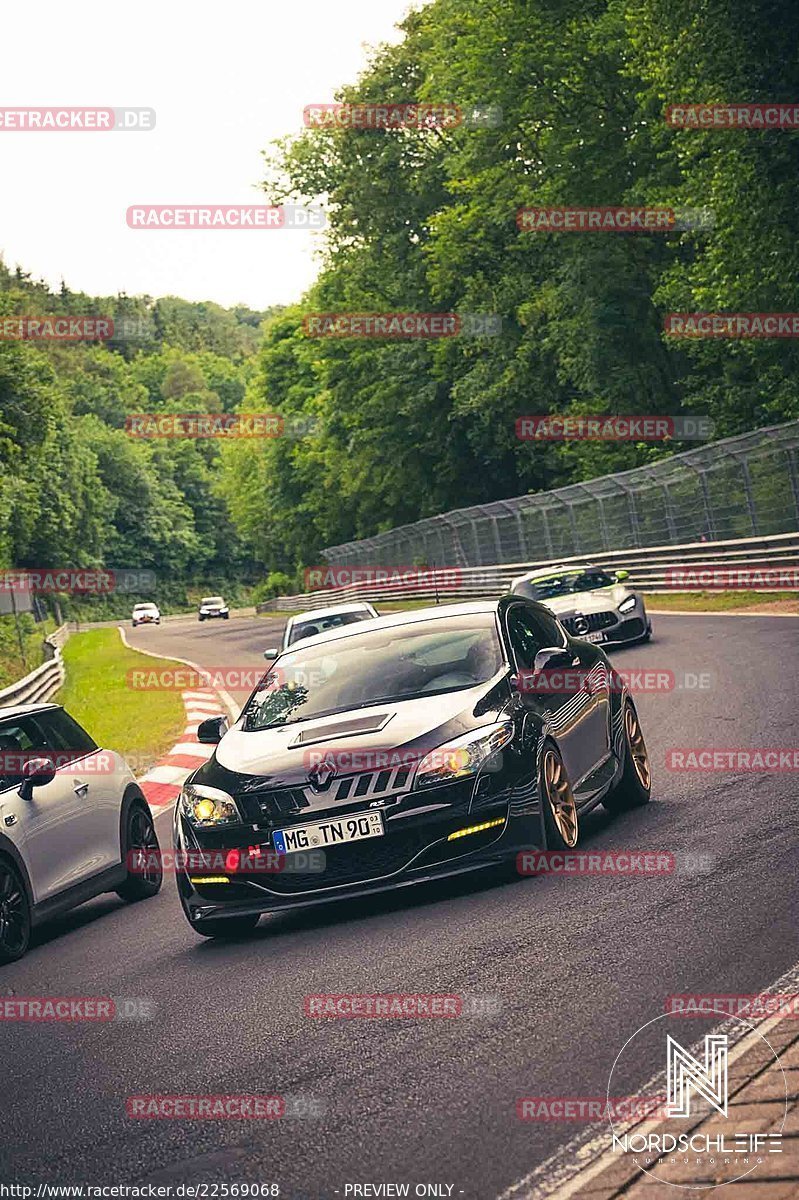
(141, 725)
(12, 664)
(716, 601)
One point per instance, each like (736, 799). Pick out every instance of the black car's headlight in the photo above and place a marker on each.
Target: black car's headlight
(208, 807)
(627, 604)
(463, 756)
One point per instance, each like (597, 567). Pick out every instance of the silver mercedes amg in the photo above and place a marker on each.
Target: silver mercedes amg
(591, 603)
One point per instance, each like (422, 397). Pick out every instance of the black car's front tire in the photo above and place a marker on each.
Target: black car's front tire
(15, 914)
(635, 786)
(561, 822)
(227, 929)
(141, 838)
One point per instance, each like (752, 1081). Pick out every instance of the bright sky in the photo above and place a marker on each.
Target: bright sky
(225, 79)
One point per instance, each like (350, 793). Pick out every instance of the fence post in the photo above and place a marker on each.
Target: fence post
(794, 477)
(750, 499)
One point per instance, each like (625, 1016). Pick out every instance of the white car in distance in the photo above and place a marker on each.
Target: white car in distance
(145, 614)
(320, 620)
(213, 607)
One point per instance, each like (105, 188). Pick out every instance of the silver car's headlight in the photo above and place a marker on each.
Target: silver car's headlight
(463, 756)
(627, 604)
(208, 807)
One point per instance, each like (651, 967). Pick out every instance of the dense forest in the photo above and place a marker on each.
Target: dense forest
(76, 488)
(423, 220)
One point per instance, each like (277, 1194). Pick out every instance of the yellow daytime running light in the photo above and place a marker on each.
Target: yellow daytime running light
(459, 833)
(209, 879)
(204, 809)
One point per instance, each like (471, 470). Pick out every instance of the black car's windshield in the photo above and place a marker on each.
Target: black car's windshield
(567, 582)
(379, 665)
(310, 628)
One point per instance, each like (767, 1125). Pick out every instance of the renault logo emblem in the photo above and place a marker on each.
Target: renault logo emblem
(321, 775)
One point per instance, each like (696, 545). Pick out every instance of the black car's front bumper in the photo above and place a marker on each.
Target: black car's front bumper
(421, 851)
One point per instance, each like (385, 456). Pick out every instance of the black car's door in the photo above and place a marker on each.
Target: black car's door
(573, 699)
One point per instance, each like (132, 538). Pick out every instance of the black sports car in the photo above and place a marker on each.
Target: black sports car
(425, 744)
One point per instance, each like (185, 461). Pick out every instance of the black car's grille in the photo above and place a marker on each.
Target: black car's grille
(597, 620)
(348, 864)
(282, 802)
(262, 806)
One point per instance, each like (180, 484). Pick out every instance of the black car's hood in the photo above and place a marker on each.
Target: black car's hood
(283, 755)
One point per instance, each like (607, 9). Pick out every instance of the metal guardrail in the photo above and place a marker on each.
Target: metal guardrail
(647, 565)
(42, 683)
(740, 487)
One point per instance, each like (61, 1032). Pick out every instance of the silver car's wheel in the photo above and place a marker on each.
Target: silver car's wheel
(15, 914)
(142, 857)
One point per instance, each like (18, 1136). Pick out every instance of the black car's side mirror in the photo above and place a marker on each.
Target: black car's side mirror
(36, 772)
(553, 658)
(541, 677)
(212, 730)
(272, 652)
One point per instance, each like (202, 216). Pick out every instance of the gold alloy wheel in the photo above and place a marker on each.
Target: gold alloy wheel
(560, 798)
(637, 746)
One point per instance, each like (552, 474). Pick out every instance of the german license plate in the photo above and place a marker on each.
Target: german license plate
(596, 636)
(328, 833)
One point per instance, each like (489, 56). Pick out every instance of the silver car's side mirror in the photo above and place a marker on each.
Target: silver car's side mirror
(272, 652)
(35, 773)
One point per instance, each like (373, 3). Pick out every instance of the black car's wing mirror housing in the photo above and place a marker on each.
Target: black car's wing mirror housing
(212, 730)
(554, 658)
(36, 772)
(550, 658)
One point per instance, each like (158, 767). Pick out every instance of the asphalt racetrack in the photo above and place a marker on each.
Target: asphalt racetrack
(570, 967)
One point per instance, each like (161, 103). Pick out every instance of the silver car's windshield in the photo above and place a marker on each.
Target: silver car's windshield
(568, 582)
(380, 665)
(311, 627)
